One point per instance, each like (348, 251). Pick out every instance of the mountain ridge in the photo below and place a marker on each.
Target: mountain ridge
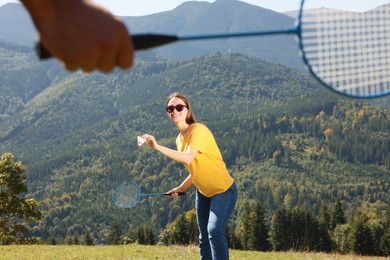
(187, 19)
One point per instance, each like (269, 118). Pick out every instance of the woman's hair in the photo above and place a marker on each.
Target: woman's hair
(190, 119)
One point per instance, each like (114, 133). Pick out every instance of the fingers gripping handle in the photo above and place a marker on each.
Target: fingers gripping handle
(179, 193)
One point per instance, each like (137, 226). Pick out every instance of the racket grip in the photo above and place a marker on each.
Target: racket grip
(140, 42)
(147, 41)
(43, 54)
(179, 193)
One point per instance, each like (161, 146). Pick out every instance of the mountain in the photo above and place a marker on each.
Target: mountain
(222, 16)
(286, 139)
(190, 18)
(76, 134)
(75, 97)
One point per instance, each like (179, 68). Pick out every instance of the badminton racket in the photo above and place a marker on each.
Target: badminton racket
(128, 194)
(346, 51)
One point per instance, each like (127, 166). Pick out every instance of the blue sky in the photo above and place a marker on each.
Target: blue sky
(144, 7)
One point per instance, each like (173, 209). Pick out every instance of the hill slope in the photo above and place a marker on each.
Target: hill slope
(76, 135)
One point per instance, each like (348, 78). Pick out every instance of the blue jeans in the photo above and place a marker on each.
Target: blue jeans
(212, 215)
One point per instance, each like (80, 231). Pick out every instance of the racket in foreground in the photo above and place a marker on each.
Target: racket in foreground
(347, 51)
(128, 194)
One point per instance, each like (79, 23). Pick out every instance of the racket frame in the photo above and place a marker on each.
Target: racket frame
(140, 194)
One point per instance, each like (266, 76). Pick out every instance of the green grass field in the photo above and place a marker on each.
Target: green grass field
(145, 252)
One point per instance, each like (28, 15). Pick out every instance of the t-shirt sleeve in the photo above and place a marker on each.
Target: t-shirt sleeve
(199, 138)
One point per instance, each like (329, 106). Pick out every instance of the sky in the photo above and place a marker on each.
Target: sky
(145, 7)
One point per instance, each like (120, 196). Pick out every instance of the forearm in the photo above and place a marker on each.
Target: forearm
(186, 184)
(181, 157)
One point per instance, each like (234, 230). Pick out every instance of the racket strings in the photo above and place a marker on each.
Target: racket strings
(349, 50)
(126, 195)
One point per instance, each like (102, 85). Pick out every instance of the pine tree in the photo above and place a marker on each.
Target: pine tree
(114, 237)
(88, 239)
(179, 232)
(259, 230)
(244, 232)
(149, 236)
(337, 214)
(384, 243)
(76, 240)
(325, 225)
(360, 236)
(233, 240)
(192, 227)
(324, 217)
(280, 237)
(141, 238)
(53, 241)
(69, 241)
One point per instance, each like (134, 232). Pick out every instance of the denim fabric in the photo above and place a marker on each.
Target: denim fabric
(212, 215)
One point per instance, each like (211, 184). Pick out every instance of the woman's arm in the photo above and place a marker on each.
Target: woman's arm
(182, 157)
(183, 187)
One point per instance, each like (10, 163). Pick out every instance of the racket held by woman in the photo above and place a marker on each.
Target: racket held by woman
(128, 194)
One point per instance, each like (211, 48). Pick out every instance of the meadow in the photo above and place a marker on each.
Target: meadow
(133, 251)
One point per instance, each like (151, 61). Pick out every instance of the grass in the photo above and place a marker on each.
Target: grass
(128, 252)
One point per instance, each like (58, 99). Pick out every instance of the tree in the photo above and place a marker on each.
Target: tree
(295, 229)
(244, 228)
(337, 214)
(340, 238)
(69, 241)
(53, 241)
(325, 225)
(141, 237)
(260, 229)
(114, 237)
(88, 240)
(384, 243)
(192, 227)
(180, 233)
(149, 235)
(16, 212)
(361, 239)
(324, 217)
(280, 235)
(233, 239)
(76, 240)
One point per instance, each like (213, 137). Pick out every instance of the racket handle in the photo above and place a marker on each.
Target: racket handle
(140, 42)
(179, 193)
(43, 54)
(147, 41)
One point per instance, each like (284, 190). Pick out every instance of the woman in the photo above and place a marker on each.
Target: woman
(216, 192)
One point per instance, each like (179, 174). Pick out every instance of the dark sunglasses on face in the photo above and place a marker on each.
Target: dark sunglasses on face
(178, 108)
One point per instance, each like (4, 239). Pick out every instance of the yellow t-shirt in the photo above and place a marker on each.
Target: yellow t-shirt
(208, 170)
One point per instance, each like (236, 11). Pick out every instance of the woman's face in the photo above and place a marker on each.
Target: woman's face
(177, 110)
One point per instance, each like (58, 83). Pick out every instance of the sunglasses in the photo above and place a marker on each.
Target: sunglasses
(178, 108)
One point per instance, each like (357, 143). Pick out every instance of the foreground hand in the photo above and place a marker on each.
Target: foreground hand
(81, 34)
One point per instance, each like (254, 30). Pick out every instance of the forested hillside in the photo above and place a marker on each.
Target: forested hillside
(286, 139)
